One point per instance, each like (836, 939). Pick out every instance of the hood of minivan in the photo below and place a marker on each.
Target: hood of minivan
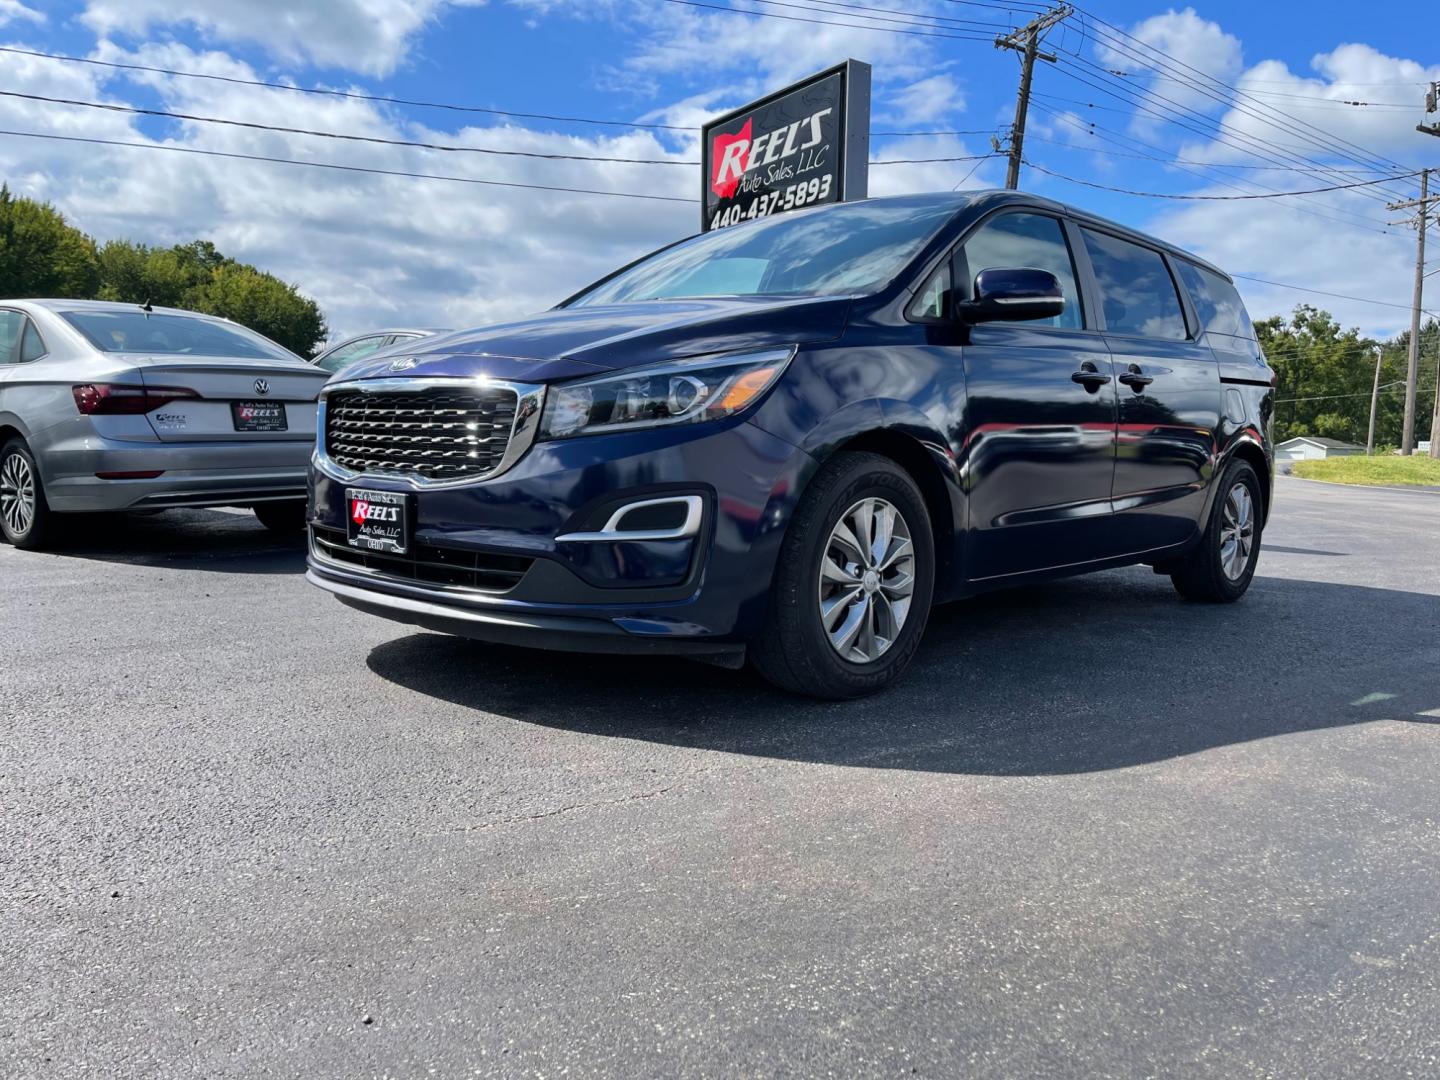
(571, 342)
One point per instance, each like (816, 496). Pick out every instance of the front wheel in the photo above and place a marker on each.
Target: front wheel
(853, 582)
(287, 516)
(1219, 569)
(26, 519)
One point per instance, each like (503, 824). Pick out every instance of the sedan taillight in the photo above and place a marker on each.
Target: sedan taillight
(109, 399)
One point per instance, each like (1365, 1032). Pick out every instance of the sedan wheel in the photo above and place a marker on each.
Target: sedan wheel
(867, 576)
(25, 518)
(17, 493)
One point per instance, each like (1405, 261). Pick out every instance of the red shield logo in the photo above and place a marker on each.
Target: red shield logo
(729, 157)
(359, 511)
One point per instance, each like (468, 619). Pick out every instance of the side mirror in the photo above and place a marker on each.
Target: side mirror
(1012, 295)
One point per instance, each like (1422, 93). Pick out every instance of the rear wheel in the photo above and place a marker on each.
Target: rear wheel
(282, 517)
(26, 520)
(853, 583)
(1219, 569)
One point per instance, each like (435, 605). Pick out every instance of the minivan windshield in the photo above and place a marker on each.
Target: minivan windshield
(138, 332)
(847, 248)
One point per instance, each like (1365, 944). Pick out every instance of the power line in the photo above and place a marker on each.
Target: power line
(1216, 198)
(353, 95)
(1190, 119)
(1207, 172)
(344, 168)
(408, 102)
(255, 126)
(380, 140)
(1328, 141)
(1322, 292)
(824, 22)
(1167, 160)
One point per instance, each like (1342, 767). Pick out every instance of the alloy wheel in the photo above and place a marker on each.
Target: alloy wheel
(17, 493)
(1237, 532)
(867, 576)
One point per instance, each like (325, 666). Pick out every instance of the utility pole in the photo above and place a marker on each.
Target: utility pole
(1432, 104)
(1412, 370)
(1026, 42)
(1374, 401)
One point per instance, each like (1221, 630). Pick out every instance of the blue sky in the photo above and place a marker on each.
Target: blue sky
(387, 249)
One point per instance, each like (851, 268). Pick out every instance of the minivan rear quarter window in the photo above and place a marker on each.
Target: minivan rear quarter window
(1217, 303)
(1137, 292)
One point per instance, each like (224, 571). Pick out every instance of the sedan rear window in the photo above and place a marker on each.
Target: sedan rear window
(179, 335)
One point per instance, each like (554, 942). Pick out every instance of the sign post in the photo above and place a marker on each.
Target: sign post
(804, 145)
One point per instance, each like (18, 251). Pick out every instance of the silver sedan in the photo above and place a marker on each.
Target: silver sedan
(107, 406)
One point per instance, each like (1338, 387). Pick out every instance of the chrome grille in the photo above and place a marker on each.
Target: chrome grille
(436, 433)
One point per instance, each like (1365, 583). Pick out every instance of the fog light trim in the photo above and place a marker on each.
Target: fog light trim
(612, 533)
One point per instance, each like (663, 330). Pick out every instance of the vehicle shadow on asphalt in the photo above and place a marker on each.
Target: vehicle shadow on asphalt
(1077, 676)
(206, 540)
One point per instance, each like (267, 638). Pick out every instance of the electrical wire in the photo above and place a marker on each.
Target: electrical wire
(1215, 198)
(343, 168)
(823, 22)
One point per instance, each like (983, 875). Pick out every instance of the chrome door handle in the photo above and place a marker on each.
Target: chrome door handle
(1089, 377)
(1136, 378)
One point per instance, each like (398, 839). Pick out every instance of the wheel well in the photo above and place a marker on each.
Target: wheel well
(1255, 456)
(910, 454)
(7, 433)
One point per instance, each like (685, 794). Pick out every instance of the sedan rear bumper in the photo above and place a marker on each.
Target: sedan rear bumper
(191, 474)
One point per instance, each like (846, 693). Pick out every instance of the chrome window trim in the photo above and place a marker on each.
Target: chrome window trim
(610, 534)
(529, 402)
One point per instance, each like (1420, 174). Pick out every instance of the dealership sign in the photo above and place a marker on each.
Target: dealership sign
(802, 146)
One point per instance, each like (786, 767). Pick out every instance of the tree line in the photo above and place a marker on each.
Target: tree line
(43, 255)
(1326, 375)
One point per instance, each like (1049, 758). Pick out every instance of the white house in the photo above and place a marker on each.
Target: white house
(1314, 448)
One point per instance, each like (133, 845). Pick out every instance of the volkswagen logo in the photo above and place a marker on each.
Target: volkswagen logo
(262, 386)
(405, 363)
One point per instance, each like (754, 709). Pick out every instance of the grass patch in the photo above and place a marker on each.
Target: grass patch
(1386, 469)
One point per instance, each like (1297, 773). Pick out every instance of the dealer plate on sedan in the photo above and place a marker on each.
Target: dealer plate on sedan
(378, 521)
(258, 415)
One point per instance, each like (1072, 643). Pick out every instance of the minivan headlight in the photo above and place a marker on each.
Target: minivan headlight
(678, 392)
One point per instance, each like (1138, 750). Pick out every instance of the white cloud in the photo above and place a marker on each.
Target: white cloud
(14, 11)
(1190, 42)
(370, 36)
(928, 100)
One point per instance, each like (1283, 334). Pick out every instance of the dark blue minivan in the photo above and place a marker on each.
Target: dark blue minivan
(786, 440)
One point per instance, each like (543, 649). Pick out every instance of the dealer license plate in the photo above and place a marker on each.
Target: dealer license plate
(378, 521)
(258, 415)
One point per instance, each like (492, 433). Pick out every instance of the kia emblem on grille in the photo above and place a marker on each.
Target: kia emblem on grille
(405, 363)
(261, 386)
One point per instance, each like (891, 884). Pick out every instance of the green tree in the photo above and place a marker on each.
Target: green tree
(198, 277)
(41, 254)
(1325, 375)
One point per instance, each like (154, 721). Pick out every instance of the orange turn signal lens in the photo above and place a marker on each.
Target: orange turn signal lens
(743, 390)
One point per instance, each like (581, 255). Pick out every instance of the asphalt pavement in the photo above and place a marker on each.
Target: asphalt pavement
(248, 832)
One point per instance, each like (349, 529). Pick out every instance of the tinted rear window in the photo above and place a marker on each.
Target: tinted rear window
(1217, 303)
(1137, 293)
(178, 335)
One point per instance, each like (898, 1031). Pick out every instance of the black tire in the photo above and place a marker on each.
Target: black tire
(1201, 575)
(794, 650)
(287, 516)
(30, 532)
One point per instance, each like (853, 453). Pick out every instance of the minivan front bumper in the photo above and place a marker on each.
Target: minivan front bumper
(524, 557)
